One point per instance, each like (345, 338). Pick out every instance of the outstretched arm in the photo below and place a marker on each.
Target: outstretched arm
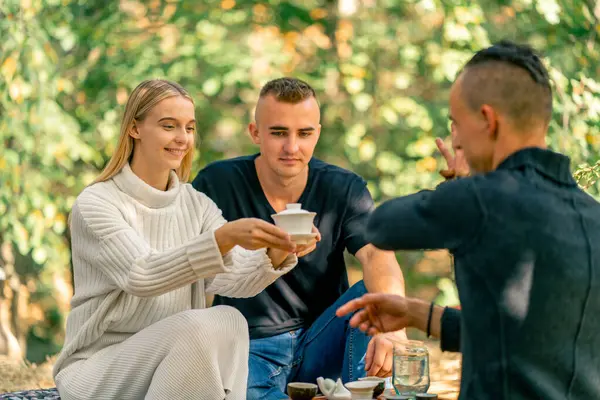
(255, 253)
(378, 313)
(102, 238)
(445, 218)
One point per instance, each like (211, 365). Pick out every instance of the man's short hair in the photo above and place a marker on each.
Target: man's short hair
(511, 78)
(288, 90)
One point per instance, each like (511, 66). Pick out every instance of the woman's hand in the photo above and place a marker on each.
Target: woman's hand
(253, 234)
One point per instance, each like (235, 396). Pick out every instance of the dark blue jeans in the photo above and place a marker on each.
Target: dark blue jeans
(329, 348)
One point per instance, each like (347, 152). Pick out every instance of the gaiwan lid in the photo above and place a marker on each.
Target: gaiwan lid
(293, 208)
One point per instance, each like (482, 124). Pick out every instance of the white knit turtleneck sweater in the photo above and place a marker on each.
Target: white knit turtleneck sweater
(141, 255)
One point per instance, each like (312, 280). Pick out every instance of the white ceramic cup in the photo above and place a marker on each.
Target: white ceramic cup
(294, 220)
(361, 390)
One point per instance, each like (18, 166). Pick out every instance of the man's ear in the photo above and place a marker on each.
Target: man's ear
(491, 119)
(253, 131)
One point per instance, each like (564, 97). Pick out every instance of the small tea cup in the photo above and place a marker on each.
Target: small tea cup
(380, 386)
(362, 390)
(301, 390)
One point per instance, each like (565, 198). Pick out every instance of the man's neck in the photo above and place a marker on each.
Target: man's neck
(514, 143)
(278, 190)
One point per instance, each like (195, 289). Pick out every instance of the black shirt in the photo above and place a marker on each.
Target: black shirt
(525, 240)
(450, 330)
(342, 203)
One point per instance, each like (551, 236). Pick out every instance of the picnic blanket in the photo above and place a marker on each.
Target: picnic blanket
(37, 394)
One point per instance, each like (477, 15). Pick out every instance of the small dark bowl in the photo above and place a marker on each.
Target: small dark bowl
(379, 388)
(301, 390)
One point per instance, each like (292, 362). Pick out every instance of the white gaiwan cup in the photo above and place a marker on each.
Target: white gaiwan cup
(294, 220)
(362, 390)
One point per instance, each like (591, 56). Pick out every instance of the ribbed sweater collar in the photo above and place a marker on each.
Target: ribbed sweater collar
(127, 181)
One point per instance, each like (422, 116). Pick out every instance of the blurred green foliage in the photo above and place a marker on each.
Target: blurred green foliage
(382, 69)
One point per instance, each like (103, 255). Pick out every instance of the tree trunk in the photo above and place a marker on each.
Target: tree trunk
(9, 345)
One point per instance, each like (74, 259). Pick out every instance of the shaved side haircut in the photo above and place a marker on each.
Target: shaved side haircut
(512, 79)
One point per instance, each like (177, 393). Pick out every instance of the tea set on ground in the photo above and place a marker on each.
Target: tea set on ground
(368, 388)
(411, 358)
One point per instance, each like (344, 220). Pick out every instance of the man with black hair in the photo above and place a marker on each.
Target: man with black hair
(523, 236)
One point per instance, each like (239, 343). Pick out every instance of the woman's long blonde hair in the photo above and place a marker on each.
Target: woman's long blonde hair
(143, 98)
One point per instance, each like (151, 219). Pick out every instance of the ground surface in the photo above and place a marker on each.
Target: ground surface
(14, 376)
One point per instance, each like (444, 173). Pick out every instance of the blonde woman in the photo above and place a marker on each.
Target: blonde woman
(146, 248)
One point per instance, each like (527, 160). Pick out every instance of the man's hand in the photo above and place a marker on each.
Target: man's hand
(377, 313)
(278, 256)
(456, 164)
(304, 249)
(380, 356)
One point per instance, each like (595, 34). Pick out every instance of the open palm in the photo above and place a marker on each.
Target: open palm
(377, 313)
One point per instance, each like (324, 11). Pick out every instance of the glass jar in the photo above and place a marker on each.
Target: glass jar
(410, 374)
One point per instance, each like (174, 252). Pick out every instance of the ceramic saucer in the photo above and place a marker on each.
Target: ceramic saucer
(302, 238)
